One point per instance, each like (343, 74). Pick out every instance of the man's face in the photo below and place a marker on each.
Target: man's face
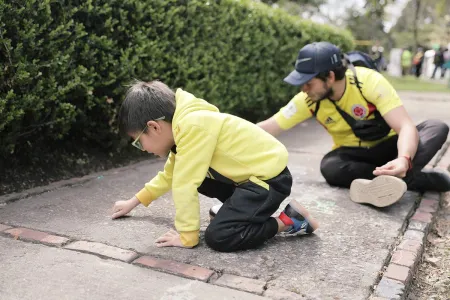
(317, 89)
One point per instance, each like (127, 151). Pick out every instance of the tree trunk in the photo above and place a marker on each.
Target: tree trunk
(417, 4)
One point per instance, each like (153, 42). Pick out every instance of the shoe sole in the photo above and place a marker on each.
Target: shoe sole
(302, 211)
(380, 192)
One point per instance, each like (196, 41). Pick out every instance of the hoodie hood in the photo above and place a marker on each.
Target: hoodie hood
(187, 103)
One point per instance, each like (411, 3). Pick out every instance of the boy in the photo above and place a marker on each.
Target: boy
(219, 155)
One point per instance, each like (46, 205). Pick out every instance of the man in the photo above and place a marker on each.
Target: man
(439, 62)
(375, 141)
(406, 61)
(418, 62)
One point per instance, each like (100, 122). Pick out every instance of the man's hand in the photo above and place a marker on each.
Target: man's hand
(397, 167)
(121, 208)
(170, 239)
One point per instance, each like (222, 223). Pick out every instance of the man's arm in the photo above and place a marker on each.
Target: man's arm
(271, 126)
(295, 112)
(383, 95)
(408, 140)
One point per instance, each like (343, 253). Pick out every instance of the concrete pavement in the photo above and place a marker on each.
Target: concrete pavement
(342, 260)
(38, 272)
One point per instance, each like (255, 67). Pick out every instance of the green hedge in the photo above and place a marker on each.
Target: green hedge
(65, 64)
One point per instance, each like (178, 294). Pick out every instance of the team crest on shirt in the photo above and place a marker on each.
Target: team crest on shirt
(359, 111)
(289, 110)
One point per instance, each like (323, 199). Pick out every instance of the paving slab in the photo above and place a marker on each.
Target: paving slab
(37, 272)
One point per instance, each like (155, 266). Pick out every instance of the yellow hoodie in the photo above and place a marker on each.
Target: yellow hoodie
(211, 144)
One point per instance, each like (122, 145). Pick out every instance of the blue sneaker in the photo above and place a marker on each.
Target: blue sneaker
(304, 223)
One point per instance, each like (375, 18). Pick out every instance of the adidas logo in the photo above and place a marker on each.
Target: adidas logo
(329, 120)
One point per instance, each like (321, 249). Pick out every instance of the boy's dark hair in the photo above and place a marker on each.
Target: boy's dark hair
(145, 101)
(339, 73)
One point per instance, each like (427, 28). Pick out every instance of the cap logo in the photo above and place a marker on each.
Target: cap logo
(302, 60)
(334, 59)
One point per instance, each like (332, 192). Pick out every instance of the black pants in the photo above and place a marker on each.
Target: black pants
(341, 166)
(418, 70)
(244, 221)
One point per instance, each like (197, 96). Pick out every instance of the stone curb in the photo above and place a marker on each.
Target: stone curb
(69, 182)
(34, 236)
(405, 257)
(241, 283)
(103, 250)
(175, 268)
(132, 257)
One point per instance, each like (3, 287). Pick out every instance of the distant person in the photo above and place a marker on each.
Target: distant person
(446, 61)
(379, 58)
(439, 62)
(406, 61)
(418, 62)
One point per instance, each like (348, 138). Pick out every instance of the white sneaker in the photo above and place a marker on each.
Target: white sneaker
(382, 191)
(214, 210)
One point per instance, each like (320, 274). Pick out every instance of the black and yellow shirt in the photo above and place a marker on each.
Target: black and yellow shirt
(376, 89)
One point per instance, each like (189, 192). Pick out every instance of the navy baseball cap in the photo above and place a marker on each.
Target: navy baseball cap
(313, 59)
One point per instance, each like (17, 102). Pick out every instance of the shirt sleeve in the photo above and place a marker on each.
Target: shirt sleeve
(295, 112)
(381, 93)
(195, 148)
(159, 185)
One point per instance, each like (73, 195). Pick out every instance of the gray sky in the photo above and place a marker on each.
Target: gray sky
(336, 8)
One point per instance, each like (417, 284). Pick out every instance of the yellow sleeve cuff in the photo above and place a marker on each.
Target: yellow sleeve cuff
(189, 238)
(144, 196)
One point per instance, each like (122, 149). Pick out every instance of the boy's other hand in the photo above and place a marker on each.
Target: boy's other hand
(170, 239)
(121, 208)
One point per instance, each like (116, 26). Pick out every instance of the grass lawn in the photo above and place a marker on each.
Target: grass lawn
(410, 83)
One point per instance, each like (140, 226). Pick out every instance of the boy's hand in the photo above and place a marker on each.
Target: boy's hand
(121, 208)
(170, 239)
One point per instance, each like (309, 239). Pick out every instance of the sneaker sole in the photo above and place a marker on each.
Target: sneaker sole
(380, 192)
(301, 210)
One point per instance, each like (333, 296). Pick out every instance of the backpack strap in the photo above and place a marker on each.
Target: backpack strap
(357, 82)
(350, 121)
(314, 112)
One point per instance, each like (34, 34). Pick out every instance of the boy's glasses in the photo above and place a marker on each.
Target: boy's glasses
(137, 143)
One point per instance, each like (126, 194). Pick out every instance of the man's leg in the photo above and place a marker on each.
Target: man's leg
(353, 168)
(418, 70)
(432, 135)
(340, 168)
(343, 165)
(245, 221)
(434, 72)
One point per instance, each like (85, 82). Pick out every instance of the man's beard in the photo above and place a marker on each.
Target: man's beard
(328, 93)
(325, 95)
